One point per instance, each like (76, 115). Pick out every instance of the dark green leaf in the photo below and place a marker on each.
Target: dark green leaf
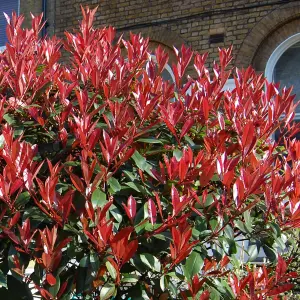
(114, 184)
(270, 253)
(3, 280)
(107, 291)
(193, 265)
(130, 278)
(98, 198)
(9, 119)
(253, 250)
(150, 141)
(116, 213)
(151, 261)
(23, 199)
(112, 271)
(139, 160)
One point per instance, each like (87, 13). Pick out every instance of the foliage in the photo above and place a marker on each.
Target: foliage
(116, 183)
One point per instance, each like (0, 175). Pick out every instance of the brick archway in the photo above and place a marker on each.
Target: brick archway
(267, 35)
(268, 46)
(166, 38)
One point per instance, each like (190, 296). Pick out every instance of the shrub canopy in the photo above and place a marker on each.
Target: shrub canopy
(116, 183)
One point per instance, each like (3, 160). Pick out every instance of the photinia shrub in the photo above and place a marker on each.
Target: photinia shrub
(116, 184)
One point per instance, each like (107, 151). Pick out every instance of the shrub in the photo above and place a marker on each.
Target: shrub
(116, 183)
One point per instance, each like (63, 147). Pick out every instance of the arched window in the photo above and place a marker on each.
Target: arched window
(284, 66)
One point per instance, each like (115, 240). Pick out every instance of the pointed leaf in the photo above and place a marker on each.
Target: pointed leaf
(98, 198)
(193, 265)
(151, 261)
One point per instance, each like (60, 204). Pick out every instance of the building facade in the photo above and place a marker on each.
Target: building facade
(264, 34)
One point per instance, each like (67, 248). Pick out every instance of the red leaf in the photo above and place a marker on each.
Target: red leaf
(204, 296)
(280, 268)
(13, 221)
(51, 279)
(248, 138)
(281, 289)
(152, 211)
(186, 127)
(175, 200)
(77, 183)
(131, 204)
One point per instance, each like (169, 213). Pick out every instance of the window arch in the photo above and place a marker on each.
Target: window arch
(283, 65)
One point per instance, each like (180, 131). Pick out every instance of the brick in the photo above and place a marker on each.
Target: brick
(249, 31)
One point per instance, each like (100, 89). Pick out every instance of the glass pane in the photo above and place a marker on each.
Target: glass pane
(287, 70)
(166, 75)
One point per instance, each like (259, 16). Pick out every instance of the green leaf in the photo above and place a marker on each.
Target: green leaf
(130, 278)
(95, 263)
(11, 262)
(224, 289)
(139, 160)
(9, 119)
(84, 262)
(253, 251)
(241, 226)
(248, 221)
(208, 201)
(2, 141)
(112, 271)
(18, 131)
(276, 229)
(137, 187)
(151, 261)
(129, 175)
(114, 184)
(141, 163)
(36, 216)
(3, 280)
(270, 253)
(229, 246)
(178, 154)
(176, 276)
(116, 213)
(107, 291)
(163, 282)
(150, 141)
(193, 265)
(173, 289)
(98, 198)
(228, 231)
(72, 163)
(22, 199)
(189, 140)
(40, 68)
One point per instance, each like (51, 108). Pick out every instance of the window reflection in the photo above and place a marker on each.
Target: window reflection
(287, 70)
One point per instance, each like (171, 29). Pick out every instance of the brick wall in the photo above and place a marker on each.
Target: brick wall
(30, 6)
(244, 23)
